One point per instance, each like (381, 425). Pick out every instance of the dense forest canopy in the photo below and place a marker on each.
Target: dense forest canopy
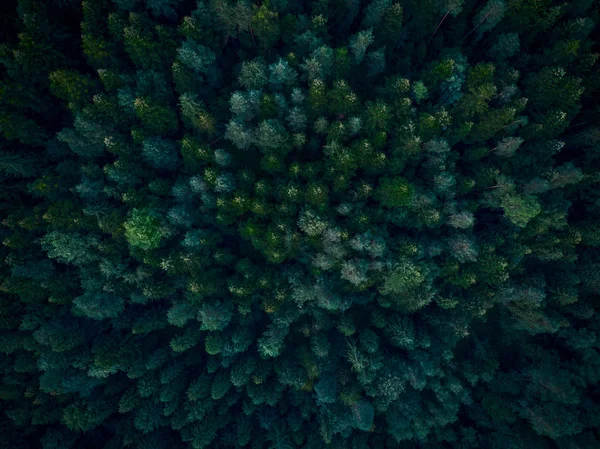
(283, 224)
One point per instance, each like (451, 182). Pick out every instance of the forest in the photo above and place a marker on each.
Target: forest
(286, 224)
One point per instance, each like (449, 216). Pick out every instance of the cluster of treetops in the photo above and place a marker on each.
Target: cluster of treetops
(281, 224)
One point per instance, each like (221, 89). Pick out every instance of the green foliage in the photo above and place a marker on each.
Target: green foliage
(215, 317)
(520, 209)
(143, 230)
(265, 24)
(404, 276)
(284, 224)
(359, 44)
(97, 305)
(70, 247)
(363, 414)
(253, 74)
(394, 192)
(506, 46)
(160, 153)
(196, 56)
(73, 87)
(156, 118)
